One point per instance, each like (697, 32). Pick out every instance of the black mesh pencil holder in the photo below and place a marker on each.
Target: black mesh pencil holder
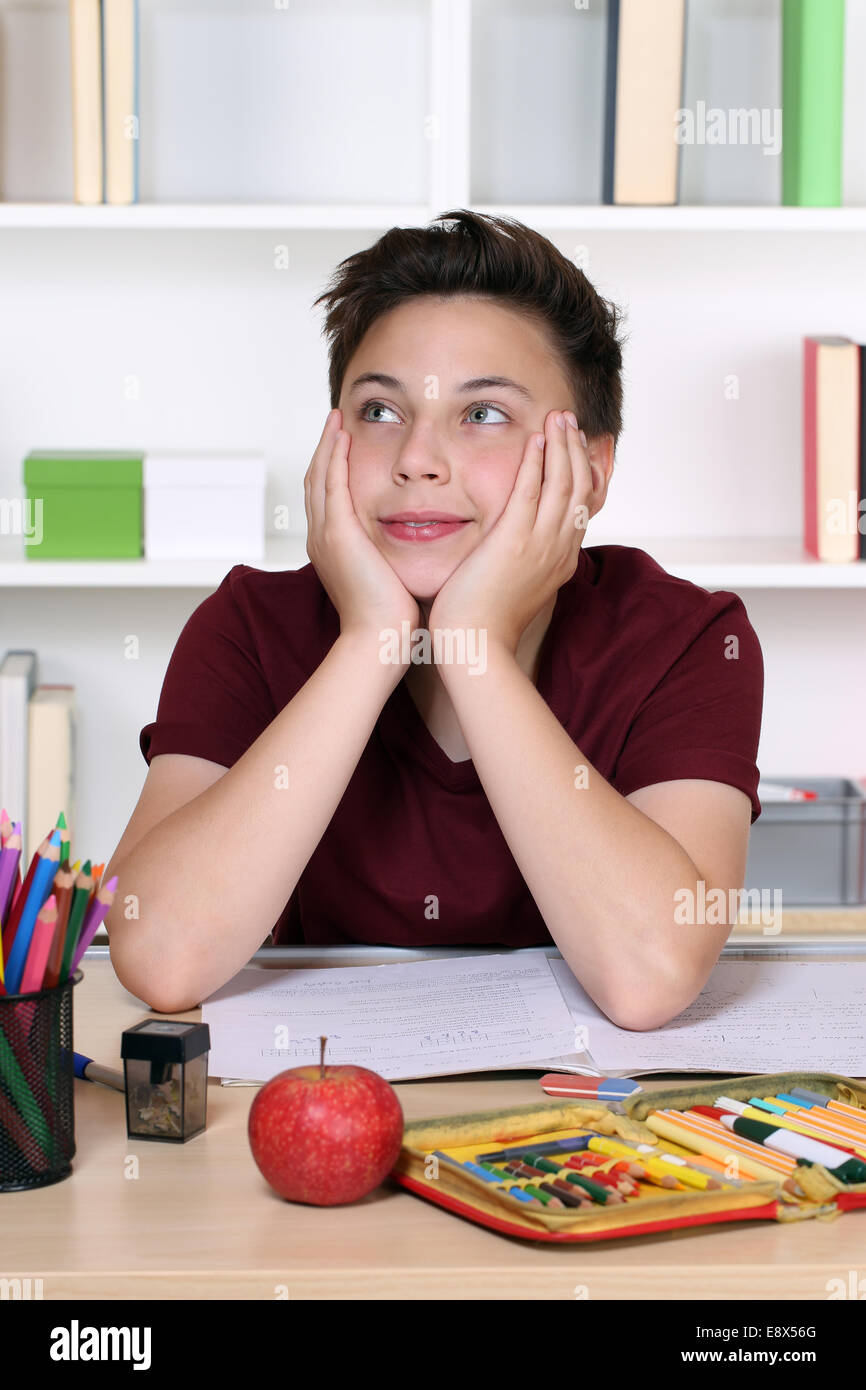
(37, 1120)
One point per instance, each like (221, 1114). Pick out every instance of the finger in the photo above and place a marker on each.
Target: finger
(583, 479)
(559, 479)
(337, 498)
(522, 506)
(314, 479)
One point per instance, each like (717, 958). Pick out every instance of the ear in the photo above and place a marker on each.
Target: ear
(601, 461)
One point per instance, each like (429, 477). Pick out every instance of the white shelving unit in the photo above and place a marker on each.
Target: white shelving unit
(315, 128)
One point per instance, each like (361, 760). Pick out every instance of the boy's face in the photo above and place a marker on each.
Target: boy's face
(433, 445)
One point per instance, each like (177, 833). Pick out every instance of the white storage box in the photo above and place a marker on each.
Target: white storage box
(203, 506)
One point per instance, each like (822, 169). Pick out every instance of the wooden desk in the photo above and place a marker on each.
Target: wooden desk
(199, 1221)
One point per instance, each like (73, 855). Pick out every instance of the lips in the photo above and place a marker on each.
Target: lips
(410, 517)
(416, 528)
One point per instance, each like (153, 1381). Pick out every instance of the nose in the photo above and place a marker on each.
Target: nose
(420, 457)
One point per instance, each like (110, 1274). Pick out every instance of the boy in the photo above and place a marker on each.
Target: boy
(574, 752)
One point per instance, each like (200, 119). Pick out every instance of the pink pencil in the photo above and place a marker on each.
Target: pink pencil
(40, 945)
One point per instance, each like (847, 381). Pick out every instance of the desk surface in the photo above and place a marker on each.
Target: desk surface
(199, 1221)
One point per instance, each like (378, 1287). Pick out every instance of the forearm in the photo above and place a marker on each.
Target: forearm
(602, 874)
(211, 879)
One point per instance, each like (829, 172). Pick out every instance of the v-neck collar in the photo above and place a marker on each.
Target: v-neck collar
(403, 727)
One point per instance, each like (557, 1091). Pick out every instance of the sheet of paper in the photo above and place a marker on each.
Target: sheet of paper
(751, 1016)
(425, 1018)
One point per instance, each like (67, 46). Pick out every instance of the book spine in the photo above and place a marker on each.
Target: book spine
(609, 152)
(813, 61)
(120, 65)
(810, 448)
(85, 48)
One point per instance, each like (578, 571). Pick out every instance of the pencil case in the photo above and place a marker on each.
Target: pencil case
(460, 1191)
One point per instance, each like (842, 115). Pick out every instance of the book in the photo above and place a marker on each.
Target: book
(18, 677)
(50, 761)
(813, 66)
(832, 376)
(120, 57)
(85, 51)
(527, 1011)
(643, 95)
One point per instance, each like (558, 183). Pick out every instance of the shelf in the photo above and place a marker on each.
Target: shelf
(717, 563)
(772, 562)
(215, 216)
(354, 216)
(281, 553)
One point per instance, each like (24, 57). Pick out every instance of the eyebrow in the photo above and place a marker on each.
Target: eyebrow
(476, 383)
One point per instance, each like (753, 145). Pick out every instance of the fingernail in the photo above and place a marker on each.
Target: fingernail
(582, 437)
(560, 420)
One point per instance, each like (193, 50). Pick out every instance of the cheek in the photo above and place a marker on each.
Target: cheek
(490, 481)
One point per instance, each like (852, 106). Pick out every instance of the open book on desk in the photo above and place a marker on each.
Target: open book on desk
(526, 1011)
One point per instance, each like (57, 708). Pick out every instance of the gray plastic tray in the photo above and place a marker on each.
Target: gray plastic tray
(813, 851)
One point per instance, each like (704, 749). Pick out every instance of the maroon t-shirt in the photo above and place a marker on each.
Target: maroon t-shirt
(653, 677)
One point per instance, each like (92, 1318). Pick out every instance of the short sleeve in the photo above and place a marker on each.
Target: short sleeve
(215, 701)
(703, 718)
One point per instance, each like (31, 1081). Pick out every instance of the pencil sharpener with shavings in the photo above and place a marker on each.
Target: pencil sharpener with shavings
(165, 1069)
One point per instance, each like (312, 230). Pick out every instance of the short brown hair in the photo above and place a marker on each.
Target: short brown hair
(484, 255)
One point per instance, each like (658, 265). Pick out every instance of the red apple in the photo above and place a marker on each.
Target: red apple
(325, 1135)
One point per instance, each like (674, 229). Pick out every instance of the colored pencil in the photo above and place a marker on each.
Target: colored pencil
(39, 889)
(64, 883)
(80, 902)
(20, 897)
(98, 908)
(40, 945)
(64, 839)
(9, 857)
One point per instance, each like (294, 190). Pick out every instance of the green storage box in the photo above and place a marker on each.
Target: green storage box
(91, 504)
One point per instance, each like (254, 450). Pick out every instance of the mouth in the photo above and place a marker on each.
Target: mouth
(421, 528)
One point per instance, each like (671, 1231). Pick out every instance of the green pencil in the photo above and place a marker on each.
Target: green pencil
(80, 899)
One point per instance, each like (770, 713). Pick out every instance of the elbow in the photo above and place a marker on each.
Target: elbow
(163, 992)
(159, 997)
(655, 1005)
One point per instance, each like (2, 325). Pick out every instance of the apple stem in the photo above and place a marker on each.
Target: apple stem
(322, 1059)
